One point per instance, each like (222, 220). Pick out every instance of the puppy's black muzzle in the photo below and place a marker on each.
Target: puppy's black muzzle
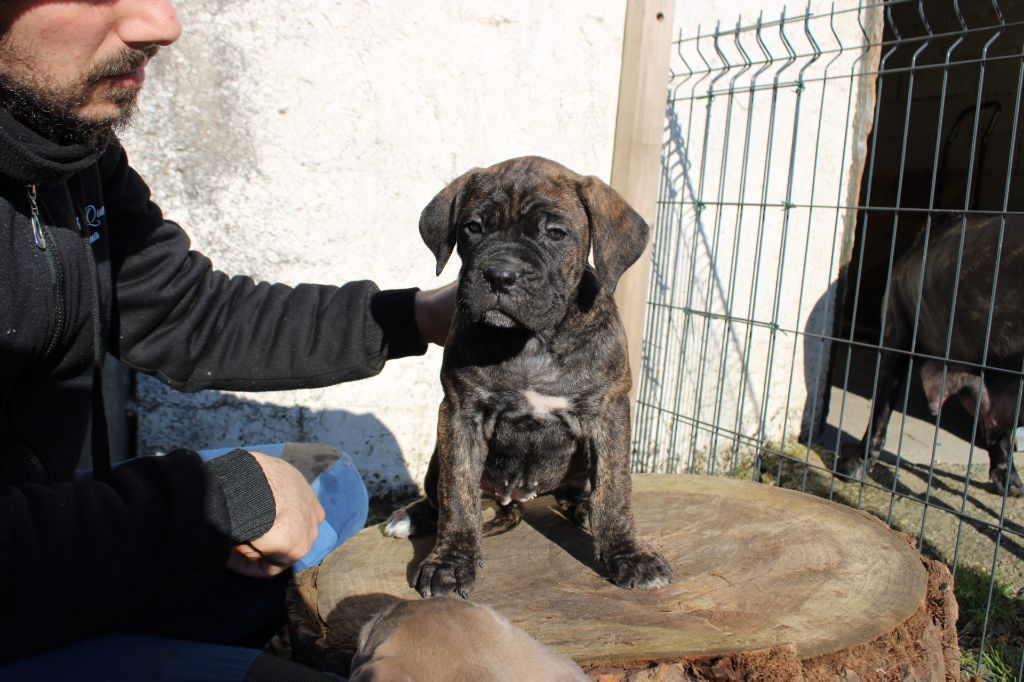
(502, 277)
(504, 287)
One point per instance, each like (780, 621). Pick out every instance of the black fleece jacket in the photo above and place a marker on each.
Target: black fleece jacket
(103, 272)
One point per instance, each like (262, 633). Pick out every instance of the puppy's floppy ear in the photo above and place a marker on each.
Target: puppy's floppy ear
(375, 632)
(618, 234)
(438, 220)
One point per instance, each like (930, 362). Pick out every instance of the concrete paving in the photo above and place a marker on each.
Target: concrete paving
(914, 436)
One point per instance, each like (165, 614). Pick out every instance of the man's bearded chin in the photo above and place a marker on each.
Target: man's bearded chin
(53, 113)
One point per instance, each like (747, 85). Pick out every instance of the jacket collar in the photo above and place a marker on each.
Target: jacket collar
(28, 157)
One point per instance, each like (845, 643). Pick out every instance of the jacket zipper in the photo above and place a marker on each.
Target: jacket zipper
(39, 235)
(42, 237)
(37, 225)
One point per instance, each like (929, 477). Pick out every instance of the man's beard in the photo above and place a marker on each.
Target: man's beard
(53, 112)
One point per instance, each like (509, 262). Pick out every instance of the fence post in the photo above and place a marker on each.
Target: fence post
(636, 167)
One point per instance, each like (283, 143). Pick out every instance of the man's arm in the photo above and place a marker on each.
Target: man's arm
(194, 327)
(295, 526)
(87, 557)
(104, 552)
(435, 310)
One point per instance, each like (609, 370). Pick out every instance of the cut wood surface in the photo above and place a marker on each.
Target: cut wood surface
(756, 568)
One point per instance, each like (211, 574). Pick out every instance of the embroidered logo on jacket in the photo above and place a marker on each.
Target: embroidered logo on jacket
(94, 219)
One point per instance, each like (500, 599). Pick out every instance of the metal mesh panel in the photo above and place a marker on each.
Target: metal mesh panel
(809, 164)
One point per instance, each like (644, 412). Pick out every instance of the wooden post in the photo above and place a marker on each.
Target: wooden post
(636, 167)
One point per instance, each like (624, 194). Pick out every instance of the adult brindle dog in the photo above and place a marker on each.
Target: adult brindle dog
(535, 374)
(960, 266)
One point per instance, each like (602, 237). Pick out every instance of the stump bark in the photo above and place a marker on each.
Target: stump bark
(769, 584)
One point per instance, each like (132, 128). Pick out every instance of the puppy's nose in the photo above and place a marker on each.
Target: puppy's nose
(501, 277)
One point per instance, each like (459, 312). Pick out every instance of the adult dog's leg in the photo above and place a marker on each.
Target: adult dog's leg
(857, 460)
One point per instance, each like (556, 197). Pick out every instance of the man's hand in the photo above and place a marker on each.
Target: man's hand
(295, 528)
(434, 311)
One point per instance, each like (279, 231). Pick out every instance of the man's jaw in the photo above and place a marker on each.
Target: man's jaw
(90, 113)
(88, 127)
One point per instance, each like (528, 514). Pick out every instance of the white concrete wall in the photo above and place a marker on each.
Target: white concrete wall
(298, 142)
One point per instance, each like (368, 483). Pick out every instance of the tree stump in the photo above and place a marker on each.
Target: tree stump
(768, 584)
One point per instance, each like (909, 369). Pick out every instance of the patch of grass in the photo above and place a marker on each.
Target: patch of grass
(1006, 614)
(996, 663)
(1004, 637)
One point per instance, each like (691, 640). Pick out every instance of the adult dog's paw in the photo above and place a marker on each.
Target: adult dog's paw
(997, 477)
(851, 464)
(452, 570)
(639, 569)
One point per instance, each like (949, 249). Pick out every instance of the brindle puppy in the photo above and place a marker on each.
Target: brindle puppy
(536, 377)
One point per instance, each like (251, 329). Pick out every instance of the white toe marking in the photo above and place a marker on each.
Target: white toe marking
(399, 529)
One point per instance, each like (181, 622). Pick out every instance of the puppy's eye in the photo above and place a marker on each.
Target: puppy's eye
(556, 233)
(473, 226)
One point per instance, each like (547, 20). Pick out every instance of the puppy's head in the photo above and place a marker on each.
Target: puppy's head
(524, 229)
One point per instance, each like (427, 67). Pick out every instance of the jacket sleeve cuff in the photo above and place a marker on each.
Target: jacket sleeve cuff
(245, 509)
(394, 312)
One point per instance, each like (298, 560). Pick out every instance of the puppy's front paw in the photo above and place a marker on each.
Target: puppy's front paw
(639, 569)
(453, 570)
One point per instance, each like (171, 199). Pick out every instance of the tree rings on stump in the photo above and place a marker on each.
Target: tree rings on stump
(764, 578)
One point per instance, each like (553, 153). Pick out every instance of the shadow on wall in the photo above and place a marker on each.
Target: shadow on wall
(212, 419)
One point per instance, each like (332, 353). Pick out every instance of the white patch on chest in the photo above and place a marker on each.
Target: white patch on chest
(545, 404)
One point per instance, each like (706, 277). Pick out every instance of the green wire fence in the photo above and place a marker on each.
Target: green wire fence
(802, 156)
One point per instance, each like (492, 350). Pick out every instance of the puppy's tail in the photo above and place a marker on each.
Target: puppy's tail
(508, 518)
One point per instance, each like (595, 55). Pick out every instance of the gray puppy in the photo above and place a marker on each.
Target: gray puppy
(535, 374)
